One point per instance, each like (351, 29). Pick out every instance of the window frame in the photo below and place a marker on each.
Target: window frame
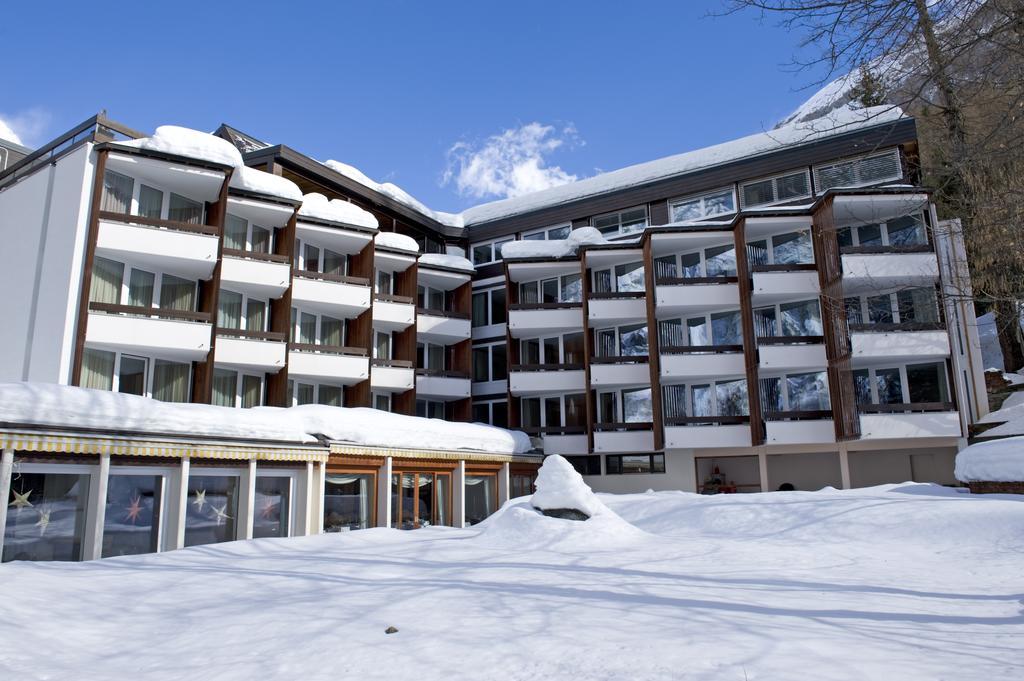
(494, 251)
(618, 228)
(775, 188)
(702, 197)
(614, 464)
(854, 161)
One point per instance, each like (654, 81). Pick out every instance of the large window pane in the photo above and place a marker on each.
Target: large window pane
(132, 375)
(792, 248)
(697, 331)
(479, 314)
(636, 406)
(229, 310)
(801, 319)
(499, 363)
(726, 328)
(720, 261)
(792, 186)
(927, 383)
(880, 309)
(140, 288)
(107, 277)
(307, 328)
(918, 305)
(689, 266)
(332, 331)
(235, 229)
(255, 315)
(150, 202)
(572, 288)
(732, 398)
(481, 364)
(224, 384)
(170, 381)
(45, 516)
(808, 392)
(630, 277)
(348, 500)
(252, 388)
(117, 193)
(498, 303)
(862, 386)
(907, 231)
(97, 369)
(633, 340)
(890, 387)
(212, 511)
(177, 293)
(758, 193)
(131, 524)
(701, 401)
(273, 499)
(261, 243)
(181, 209)
(481, 497)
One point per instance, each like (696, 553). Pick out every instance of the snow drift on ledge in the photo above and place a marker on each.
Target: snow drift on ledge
(318, 206)
(995, 461)
(47, 404)
(455, 262)
(173, 139)
(554, 248)
(260, 182)
(397, 241)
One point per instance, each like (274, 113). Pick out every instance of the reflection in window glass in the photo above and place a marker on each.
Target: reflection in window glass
(808, 392)
(862, 386)
(720, 261)
(481, 497)
(131, 523)
(633, 340)
(212, 513)
(890, 387)
(273, 501)
(45, 516)
(801, 319)
(636, 406)
(732, 398)
(927, 383)
(794, 248)
(907, 231)
(726, 328)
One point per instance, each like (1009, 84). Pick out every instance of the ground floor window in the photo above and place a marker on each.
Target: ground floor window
(586, 465)
(430, 409)
(46, 513)
(420, 500)
(481, 497)
(212, 513)
(272, 516)
(727, 474)
(494, 413)
(134, 512)
(522, 485)
(625, 464)
(348, 501)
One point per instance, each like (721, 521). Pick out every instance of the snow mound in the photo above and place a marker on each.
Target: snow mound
(560, 486)
(454, 262)
(173, 139)
(253, 180)
(397, 241)
(997, 461)
(47, 404)
(316, 205)
(519, 524)
(554, 248)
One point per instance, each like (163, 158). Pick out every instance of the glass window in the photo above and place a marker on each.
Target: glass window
(697, 331)
(549, 291)
(624, 222)
(212, 511)
(713, 203)
(586, 465)
(131, 524)
(529, 292)
(862, 386)
(633, 340)
(46, 516)
(235, 232)
(771, 394)
(572, 288)
(917, 305)
(307, 328)
(329, 395)
(499, 363)
(630, 277)
(603, 281)
(880, 309)
(530, 351)
(853, 313)
(261, 244)
(229, 310)
(907, 231)
(869, 235)
(808, 392)
(927, 383)
(97, 369)
(132, 375)
(177, 293)
(665, 267)
(255, 315)
(273, 502)
(607, 408)
(140, 288)
(500, 414)
(689, 266)
(171, 381)
(575, 410)
(385, 283)
(482, 253)
(117, 193)
(479, 310)
(793, 248)
(726, 328)
(382, 348)
(626, 464)
(348, 501)
(332, 331)
(792, 186)
(801, 319)
(481, 364)
(889, 385)
(700, 400)
(252, 390)
(636, 406)
(606, 346)
(181, 209)
(498, 305)
(764, 322)
(758, 193)
(303, 393)
(757, 252)
(732, 398)
(720, 261)
(530, 408)
(107, 278)
(224, 384)
(151, 202)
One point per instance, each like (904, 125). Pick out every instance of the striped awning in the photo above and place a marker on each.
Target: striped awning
(357, 451)
(57, 443)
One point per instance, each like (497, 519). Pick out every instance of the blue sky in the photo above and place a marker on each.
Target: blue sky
(407, 90)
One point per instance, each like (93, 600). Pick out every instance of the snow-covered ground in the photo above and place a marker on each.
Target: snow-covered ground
(897, 582)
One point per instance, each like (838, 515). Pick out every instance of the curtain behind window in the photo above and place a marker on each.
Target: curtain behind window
(229, 310)
(251, 388)
(177, 293)
(107, 276)
(181, 209)
(255, 315)
(140, 288)
(235, 229)
(117, 192)
(151, 202)
(170, 381)
(224, 383)
(97, 369)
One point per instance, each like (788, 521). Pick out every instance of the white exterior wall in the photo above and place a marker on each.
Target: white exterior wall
(44, 220)
(678, 475)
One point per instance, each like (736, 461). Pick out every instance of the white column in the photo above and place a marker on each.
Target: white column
(247, 502)
(844, 466)
(504, 484)
(459, 495)
(762, 469)
(384, 494)
(176, 532)
(303, 501)
(96, 514)
(6, 469)
(320, 490)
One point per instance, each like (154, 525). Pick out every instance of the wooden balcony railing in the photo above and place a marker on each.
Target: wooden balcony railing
(546, 306)
(631, 426)
(683, 281)
(547, 367)
(443, 373)
(157, 222)
(339, 278)
(621, 359)
(790, 340)
(786, 267)
(448, 314)
(392, 363)
(706, 420)
(274, 336)
(554, 430)
(392, 298)
(891, 249)
(254, 255)
(700, 349)
(617, 295)
(327, 349)
(901, 327)
(158, 312)
(806, 415)
(906, 408)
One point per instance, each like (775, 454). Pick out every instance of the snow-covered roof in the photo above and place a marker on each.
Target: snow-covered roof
(397, 241)
(317, 206)
(46, 404)
(173, 139)
(260, 182)
(454, 262)
(553, 248)
(394, 192)
(995, 460)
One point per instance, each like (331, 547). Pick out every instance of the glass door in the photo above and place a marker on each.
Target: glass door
(420, 499)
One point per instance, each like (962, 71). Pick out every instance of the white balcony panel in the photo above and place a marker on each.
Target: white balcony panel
(800, 432)
(198, 184)
(392, 379)
(899, 426)
(707, 437)
(165, 338)
(185, 254)
(438, 329)
(778, 286)
(344, 369)
(339, 239)
(390, 316)
(258, 278)
(867, 272)
(677, 299)
(524, 323)
(682, 367)
(617, 311)
(910, 345)
(626, 441)
(565, 444)
(441, 387)
(611, 375)
(490, 388)
(333, 298)
(489, 331)
(248, 353)
(792, 357)
(541, 382)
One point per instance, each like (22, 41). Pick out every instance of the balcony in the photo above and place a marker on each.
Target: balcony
(612, 309)
(565, 440)
(538, 379)
(170, 334)
(331, 294)
(393, 313)
(337, 364)
(260, 350)
(619, 372)
(676, 296)
(775, 283)
(442, 385)
(262, 275)
(791, 353)
(624, 437)
(681, 363)
(867, 268)
(534, 319)
(899, 421)
(392, 375)
(707, 432)
(799, 427)
(442, 326)
(180, 248)
(906, 341)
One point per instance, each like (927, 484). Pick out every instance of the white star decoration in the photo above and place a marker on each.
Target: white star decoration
(43, 522)
(221, 513)
(20, 500)
(200, 499)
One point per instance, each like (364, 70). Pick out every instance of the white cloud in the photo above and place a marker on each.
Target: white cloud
(511, 163)
(27, 127)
